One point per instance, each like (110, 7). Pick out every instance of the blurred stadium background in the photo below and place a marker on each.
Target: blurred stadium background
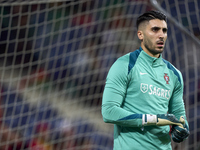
(54, 58)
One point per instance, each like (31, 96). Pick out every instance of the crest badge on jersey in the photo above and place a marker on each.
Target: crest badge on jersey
(166, 77)
(144, 87)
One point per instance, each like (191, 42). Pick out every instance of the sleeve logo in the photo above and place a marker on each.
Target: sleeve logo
(166, 77)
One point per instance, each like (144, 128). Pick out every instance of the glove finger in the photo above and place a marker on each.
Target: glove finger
(179, 136)
(180, 131)
(176, 139)
(182, 120)
(176, 136)
(182, 134)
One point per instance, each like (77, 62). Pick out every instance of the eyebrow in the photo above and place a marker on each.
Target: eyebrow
(156, 27)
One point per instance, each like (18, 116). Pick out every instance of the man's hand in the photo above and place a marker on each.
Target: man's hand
(168, 119)
(161, 120)
(180, 133)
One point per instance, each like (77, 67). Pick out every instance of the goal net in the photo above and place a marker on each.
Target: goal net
(54, 59)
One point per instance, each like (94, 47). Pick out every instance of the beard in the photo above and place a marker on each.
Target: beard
(152, 47)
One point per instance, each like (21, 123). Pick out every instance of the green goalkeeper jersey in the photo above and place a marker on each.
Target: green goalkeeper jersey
(140, 84)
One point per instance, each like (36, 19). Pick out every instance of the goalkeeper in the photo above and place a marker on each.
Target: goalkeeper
(143, 95)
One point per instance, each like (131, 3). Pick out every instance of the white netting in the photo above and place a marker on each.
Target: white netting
(54, 58)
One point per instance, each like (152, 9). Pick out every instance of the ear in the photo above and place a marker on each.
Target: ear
(140, 35)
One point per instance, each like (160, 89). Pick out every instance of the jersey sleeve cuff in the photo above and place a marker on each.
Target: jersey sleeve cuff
(148, 119)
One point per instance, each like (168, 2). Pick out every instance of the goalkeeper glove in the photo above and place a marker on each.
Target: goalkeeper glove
(160, 120)
(180, 133)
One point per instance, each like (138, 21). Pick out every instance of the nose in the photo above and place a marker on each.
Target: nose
(161, 34)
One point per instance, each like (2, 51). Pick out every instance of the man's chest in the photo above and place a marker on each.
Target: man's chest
(154, 82)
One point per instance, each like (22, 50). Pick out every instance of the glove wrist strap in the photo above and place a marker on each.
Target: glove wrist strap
(148, 119)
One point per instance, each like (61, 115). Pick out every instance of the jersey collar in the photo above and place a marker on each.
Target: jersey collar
(152, 60)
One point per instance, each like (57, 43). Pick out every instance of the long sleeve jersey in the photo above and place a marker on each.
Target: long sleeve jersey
(140, 84)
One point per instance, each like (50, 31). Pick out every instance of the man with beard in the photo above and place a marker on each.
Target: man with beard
(143, 95)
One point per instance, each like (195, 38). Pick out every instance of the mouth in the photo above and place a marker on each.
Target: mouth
(160, 43)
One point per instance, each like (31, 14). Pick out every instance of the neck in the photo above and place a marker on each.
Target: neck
(157, 55)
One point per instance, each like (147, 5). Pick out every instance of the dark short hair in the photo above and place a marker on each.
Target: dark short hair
(150, 15)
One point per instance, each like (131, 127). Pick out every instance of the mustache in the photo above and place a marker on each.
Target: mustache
(160, 41)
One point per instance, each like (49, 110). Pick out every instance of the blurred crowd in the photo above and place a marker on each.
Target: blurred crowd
(23, 126)
(68, 47)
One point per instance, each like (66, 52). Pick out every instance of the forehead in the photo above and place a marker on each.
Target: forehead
(157, 23)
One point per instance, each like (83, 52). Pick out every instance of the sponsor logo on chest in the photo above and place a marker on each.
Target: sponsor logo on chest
(153, 90)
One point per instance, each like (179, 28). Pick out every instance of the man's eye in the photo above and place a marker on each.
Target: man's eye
(155, 29)
(164, 30)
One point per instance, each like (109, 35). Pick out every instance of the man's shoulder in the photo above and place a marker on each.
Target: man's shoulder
(133, 54)
(133, 58)
(130, 57)
(128, 60)
(175, 71)
(170, 65)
